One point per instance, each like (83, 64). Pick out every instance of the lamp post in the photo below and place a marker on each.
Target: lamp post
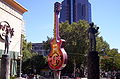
(20, 58)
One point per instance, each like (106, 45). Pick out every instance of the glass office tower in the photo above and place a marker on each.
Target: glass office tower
(75, 10)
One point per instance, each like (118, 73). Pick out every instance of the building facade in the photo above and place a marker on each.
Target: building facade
(12, 12)
(75, 10)
(38, 48)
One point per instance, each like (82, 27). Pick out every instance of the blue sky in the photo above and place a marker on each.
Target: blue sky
(39, 19)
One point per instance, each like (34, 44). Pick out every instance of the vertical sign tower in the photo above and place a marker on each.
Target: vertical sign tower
(57, 57)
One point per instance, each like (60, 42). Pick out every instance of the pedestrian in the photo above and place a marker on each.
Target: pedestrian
(118, 75)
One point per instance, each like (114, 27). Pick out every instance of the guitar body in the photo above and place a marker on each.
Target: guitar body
(57, 57)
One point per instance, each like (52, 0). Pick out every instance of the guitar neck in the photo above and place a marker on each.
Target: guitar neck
(56, 26)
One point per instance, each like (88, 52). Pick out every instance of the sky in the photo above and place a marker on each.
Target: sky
(39, 19)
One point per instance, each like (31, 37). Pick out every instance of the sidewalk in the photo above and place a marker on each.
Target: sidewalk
(100, 78)
(20, 78)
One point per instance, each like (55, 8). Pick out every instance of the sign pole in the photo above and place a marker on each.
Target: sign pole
(57, 74)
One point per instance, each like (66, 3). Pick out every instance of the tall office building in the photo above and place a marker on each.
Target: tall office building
(75, 10)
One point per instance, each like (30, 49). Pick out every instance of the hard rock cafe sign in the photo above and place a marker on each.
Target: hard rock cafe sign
(5, 29)
(57, 57)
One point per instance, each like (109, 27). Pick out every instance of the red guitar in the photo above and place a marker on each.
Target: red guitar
(57, 57)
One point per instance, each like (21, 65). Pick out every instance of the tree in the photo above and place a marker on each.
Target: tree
(26, 48)
(102, 46)
(76, 36)
(111, 60)
(117, 61)
(36, 62)
(46, 44)
(77, 42)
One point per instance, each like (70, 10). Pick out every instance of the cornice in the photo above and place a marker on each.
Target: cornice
(16, 5)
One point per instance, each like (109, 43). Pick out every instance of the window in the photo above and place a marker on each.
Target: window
(83, 10)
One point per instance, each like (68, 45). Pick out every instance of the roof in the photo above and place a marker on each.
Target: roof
(16, 5)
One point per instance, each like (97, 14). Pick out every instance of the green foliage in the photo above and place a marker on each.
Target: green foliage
(112, 52)
(31, 60)
(107, 64)
(35, 62)
(68, 69)
(111, 60)
(102, 46)
(76, 37)
(26, 48)
(77, 43)
(117, 61)
(47, 43)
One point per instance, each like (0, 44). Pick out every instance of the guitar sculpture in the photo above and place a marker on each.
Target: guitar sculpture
(57, 57)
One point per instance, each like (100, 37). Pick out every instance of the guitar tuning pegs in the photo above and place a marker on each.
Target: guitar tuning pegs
(57, 7)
